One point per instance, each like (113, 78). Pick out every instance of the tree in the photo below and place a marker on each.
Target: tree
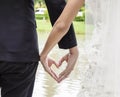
(39, 1)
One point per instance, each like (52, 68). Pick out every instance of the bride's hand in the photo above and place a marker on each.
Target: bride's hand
(71, 59)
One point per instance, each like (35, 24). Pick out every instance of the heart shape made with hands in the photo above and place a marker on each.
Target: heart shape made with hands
(58, 68)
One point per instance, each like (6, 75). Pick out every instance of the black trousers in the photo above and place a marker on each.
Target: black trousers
(17, 79)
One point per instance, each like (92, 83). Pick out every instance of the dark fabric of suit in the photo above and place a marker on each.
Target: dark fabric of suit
(18, 37)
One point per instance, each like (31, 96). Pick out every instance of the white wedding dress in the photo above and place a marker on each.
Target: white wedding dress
(103, 45)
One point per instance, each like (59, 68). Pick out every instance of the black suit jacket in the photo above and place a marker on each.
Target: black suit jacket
(18, 37)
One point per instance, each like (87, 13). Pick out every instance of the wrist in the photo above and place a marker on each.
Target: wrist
(43, 56)
(74, 50)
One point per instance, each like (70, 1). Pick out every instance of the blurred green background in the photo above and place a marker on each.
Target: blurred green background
(43, 22)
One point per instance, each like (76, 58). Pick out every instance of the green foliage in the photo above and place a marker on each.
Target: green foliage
(80, 18)
(82, 8)
(39, 16)
(46, 15)
(41, 4)
(40, 1)
(42, 16)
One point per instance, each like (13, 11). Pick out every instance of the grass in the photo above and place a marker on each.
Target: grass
(79, 27)
(45, 26)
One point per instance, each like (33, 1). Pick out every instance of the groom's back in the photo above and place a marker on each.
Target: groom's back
(18, 39)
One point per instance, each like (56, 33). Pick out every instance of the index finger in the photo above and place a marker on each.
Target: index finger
(52, 74)
(64, 74)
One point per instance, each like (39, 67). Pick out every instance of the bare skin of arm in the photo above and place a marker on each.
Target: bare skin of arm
(60, 28)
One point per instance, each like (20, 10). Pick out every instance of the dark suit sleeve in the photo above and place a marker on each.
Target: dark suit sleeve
(55, 7)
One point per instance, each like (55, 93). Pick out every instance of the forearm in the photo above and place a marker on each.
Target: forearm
(74, 50)
(55, 8)
(62, 25)
(54, 37)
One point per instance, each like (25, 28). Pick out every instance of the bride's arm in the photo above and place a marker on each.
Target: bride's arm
(62, 25)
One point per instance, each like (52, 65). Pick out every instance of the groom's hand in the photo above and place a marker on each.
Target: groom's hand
(47, 62)
(71, 59)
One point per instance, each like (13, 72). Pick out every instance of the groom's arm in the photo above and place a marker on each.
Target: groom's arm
(55, 8)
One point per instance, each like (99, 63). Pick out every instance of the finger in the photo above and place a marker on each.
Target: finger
(65, 73)
(61, 61)
(63, 76)
(52, 74)
(49, 70)
(50, 62)
(65, 58)
(56, 64)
